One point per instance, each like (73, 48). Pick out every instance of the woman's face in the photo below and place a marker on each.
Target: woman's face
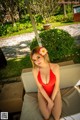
(38, 59)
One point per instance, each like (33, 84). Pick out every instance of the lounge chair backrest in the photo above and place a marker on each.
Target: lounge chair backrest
(69, 76)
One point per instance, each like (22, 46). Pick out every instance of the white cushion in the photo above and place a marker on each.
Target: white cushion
(29, 82)
(72, 117)
(69, 76)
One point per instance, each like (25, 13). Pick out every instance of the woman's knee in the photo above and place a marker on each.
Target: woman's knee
(56, 116)
(46, 116)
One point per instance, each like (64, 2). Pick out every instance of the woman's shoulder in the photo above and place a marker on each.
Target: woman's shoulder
(35, 70)
(54, 66)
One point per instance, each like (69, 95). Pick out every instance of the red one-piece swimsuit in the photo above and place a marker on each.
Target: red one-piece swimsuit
(49, 86)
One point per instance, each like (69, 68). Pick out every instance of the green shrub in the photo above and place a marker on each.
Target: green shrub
(34, 43)
(38, 18)
(59, 44)
(52, 19)
(77, 54)
(59, 18)
(3, 30)
(15, 29)
(25, 18)
(62, 18)
(8, 29)
(68, 18)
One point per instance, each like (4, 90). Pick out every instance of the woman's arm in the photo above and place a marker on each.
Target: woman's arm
(56, 87)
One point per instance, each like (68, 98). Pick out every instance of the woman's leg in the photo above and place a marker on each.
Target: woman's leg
(57, 108)
(43, 106)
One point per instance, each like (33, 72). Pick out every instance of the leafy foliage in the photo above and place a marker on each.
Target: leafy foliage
(45, 8)
(38, 18)
(77, 54)
(59, 44)
(7, 28)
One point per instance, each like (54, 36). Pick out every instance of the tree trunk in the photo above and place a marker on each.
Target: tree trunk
(33, 23)
(19, 12)
(12, 17)
(64, 10)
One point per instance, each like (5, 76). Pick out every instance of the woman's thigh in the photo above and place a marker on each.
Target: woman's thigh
(43, 106)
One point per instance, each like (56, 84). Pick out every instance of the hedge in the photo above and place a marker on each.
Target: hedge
(59, 43)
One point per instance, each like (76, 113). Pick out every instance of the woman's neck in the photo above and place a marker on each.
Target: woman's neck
(45, 65)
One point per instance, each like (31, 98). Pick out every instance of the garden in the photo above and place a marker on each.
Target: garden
(60, 44)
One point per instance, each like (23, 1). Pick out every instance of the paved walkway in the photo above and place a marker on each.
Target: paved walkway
(74, 29)
(18, 45)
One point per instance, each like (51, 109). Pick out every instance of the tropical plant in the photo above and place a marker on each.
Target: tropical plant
(59, 44)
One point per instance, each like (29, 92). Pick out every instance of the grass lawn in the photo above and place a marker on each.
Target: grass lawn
(14, 67)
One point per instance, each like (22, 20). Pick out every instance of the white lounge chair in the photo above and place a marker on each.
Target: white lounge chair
(70, 91)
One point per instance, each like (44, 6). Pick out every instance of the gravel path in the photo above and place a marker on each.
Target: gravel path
(74, 30)
(18, 45)
(16, 39)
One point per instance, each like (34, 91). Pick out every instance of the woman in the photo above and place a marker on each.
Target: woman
(47, 78)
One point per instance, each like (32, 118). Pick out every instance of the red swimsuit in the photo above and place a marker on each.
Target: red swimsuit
(49, 86)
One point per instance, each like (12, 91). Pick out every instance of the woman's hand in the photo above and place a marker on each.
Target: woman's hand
(50, 105)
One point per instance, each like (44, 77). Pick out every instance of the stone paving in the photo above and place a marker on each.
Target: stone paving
(18, 45)
(74, 30)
